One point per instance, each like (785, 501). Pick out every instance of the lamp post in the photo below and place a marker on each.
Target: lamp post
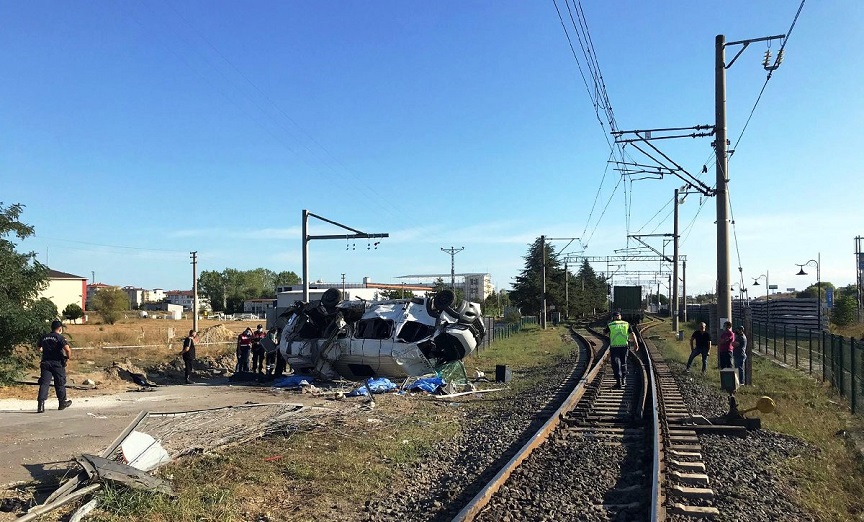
(816, 263)
(767, 288)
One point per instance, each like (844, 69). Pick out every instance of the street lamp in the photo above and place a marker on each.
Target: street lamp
(767, 288)
(816, 263)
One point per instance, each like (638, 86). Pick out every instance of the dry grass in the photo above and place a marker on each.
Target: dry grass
(328, 473)
(831, 481)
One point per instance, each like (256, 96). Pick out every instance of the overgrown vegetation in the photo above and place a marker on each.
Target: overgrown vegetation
(23, 316)
(228, 289)
(829, 481)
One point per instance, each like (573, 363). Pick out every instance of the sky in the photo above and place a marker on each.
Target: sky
(136, 132)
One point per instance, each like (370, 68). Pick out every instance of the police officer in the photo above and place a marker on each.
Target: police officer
(55, 352)
(619, 334)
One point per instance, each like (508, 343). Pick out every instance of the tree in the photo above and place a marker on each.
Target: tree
(844, 311)
(228, 289)
(22, 315)
(73, 312)
(588, 291)
(814, 290)
(109, 302)
(527, 291)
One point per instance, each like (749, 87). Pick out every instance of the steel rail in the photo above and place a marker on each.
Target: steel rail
(658, 510)
(481, 499)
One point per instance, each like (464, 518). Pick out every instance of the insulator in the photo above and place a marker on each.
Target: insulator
(779, 57)
(767, 59)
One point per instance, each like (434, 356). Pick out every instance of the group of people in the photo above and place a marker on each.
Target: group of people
(249, 342)
(731, 348)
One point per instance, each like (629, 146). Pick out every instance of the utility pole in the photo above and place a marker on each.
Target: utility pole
(543, 260)
(684, 287)
(453, 251)
(194, 256)
(721, 143)
(343, 286)
(724, 296)
(566, 292)
(673, 308)
(306, 238)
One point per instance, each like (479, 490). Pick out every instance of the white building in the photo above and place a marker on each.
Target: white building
(475, 287)
(64, 289)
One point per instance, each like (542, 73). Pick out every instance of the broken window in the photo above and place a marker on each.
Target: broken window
(376, 328)
(413, 331)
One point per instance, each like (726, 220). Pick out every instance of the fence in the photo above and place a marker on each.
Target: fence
(503, 330)
(836, 359)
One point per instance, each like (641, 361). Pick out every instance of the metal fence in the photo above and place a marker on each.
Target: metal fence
(838, 360)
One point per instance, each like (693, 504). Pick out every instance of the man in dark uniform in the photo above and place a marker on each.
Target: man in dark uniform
(258, 350)
(55, 352)
(189, 354)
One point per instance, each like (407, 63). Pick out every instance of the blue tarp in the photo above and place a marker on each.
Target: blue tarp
(380, 385)
(292, 381)
(430, 384)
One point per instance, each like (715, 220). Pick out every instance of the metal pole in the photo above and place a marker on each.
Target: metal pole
(194, 290)
(819, 287)
(684, 288)
(566, 291)
(543, 260)
(674, 307)
(343, 286)
(305, 256)
(724, 303)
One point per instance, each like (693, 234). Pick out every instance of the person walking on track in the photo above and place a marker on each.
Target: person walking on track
(55, 352)
(619, 335)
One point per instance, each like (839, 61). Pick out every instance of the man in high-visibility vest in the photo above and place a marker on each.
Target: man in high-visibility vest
(619, 334)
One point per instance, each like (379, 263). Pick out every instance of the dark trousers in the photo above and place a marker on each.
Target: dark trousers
(739, 365)
(619, 362)
(258, 359)
(270, 361)
(243, 359)
(55, 370)
(187, 364)
(281, 364)
(725, 359)
(699, 351)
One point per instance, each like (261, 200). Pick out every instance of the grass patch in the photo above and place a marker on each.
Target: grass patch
(331, 472)
(829, 482)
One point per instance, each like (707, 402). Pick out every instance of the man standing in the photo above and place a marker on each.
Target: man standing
(189, 354)
(739, 352)
(55, 352)
(724, 346)
(619, 335)
(258, 350)
(244, 345)
(700, 344)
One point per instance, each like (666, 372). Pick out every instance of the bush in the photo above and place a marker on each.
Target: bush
(73, 312)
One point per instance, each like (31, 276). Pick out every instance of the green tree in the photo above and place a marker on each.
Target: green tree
(588, 291)
(527, 291)
(844, 311)
(23, 316)
(228, 289)
(813, 290)
(110, 302)
(73, 312)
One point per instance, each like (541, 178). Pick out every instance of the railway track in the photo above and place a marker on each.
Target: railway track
(607, 453)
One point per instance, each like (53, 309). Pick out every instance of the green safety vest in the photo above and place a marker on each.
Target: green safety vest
(619, 331)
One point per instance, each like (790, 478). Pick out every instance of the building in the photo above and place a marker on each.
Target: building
(92, 288)
(137, 296)
(259, 307)
(475, 287)
(64, 289)
(185, 298)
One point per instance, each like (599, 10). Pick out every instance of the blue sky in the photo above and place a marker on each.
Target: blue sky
(135, 133)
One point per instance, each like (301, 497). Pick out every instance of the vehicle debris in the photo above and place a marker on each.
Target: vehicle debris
(331, 338)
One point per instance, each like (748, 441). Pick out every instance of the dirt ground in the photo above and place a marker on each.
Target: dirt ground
(36, 446)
